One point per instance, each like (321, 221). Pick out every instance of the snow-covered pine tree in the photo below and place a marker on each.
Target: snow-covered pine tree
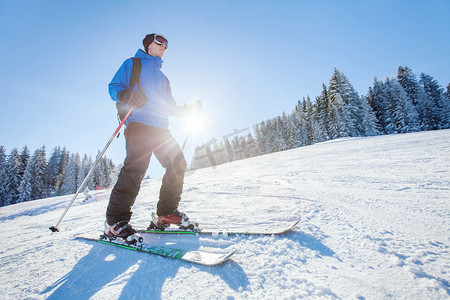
(276, 135)
(86, 165)
(63, 161)
(410, 84)
(26, 186)
(446, 114)
(285, 129)
(323, 115)
(437, 112)
(229, 150)
(281, 130)
(13, 177)
(339, 117)
(69, 185)
(334, 121)
(378, 100)
(238, 146)
(83, 171)
(404, 115)
(346, 105)
(34, 183)
(42, 170)
(292, 123)
(261, 138)
(244, 147)
(108, 168)
(115, 175)
(53, 168)
(299, 125)
(269, 133)
(315, 130)
(251, 146)
(90, 183)
(98, 174)
(265, 137)
(447, 92)
(369, 124)
(258, 139)
(3, 168)
(416, 92)
(235, 148)
(24, 156)
(391, 126)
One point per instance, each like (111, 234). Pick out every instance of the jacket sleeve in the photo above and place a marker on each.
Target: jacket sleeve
(121, 79)
(173, 109)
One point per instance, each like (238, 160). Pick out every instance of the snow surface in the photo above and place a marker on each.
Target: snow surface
(375, 215)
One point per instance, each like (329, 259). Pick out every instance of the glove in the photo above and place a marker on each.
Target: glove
(135, 99)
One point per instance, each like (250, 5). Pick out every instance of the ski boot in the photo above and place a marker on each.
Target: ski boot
(176, 218)
(122, 230)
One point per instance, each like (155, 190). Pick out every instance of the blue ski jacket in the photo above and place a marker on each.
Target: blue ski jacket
(155, 86)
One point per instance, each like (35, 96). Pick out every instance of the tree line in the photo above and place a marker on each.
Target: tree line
(401, 104)
(25, 177)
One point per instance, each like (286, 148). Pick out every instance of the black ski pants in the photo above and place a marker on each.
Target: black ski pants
(141, 142)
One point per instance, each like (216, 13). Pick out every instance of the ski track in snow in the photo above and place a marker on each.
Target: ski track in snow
(374, 212)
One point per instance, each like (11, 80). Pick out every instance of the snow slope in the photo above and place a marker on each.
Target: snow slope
(375, 224)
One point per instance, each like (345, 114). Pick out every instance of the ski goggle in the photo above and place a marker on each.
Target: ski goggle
(160, 40)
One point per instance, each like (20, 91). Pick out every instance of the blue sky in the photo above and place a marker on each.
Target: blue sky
(247, 61)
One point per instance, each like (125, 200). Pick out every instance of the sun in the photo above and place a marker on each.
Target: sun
(194, 123)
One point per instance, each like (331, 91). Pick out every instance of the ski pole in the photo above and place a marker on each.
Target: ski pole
(55, 228)
(184, 143)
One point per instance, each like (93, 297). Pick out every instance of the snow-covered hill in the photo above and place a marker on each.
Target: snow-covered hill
(375, 224)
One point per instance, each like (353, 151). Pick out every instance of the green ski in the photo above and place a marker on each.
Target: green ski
(193, 256)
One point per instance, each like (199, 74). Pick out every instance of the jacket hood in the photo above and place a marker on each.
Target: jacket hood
(154, 59)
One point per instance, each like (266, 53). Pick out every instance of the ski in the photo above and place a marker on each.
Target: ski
(193, 256)
(274, 231)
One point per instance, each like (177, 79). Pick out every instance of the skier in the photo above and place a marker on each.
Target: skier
(146, 133)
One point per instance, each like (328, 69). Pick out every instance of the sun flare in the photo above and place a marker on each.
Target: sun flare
(194, 123)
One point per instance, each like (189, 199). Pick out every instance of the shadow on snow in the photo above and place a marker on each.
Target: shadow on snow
(138, 275)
